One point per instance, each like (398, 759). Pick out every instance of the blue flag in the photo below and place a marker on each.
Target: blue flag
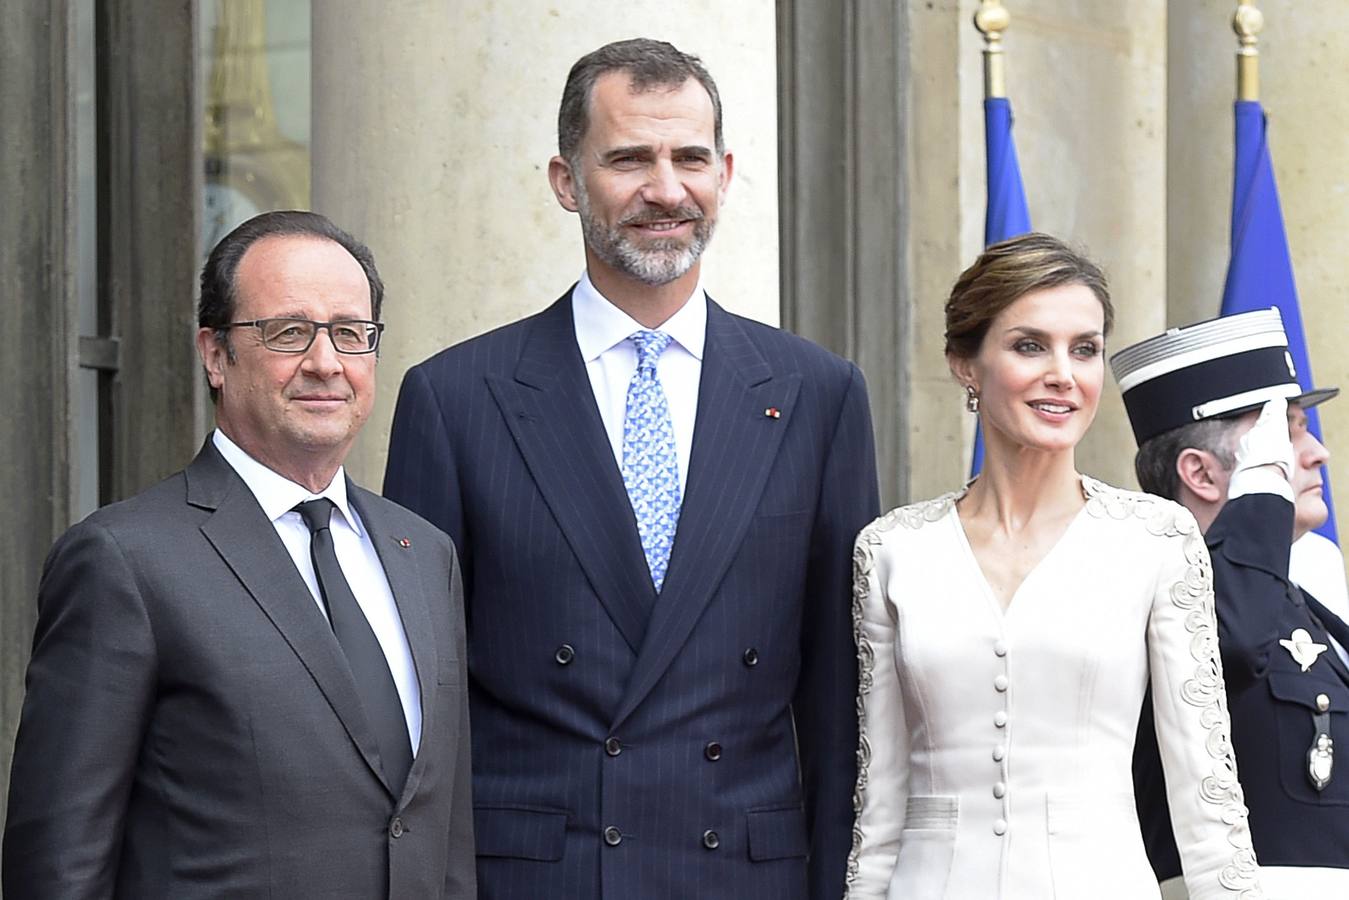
(1260, 272)
(1007, 214)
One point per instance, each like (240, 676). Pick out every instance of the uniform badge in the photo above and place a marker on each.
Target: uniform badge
(1302, 648)
(1321, 761)
(1321, 754)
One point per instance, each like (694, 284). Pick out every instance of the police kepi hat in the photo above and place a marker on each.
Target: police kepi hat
(1222, 367)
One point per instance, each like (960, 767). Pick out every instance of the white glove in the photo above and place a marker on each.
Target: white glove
(1264, 455)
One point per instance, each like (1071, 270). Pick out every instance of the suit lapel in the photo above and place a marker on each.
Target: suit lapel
(549, 407)
(248, 543)
(403, 572)
(735, 443)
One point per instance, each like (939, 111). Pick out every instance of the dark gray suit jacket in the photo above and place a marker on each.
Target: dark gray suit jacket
(191, 728)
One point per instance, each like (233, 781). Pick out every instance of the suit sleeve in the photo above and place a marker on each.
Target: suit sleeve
(460, 872)
(1249, 562)
(825, 704)
(90, 695)
(1194, 732)
(883, 748)
(420, 473)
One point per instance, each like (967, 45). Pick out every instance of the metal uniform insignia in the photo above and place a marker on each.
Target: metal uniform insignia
(1302, 648)
(1321, 755)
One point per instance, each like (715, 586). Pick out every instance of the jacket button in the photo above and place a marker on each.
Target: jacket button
(396, 827)
(751, 657)
(1000, 719)
(612, 836)
(999, 790)
(1322, 703)
(711, 840)
(565, 654)
(1000, 683)
(1000, 827)
(613, 746)
(712, 751)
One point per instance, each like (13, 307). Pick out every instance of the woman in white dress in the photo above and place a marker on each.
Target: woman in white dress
(1007, 632)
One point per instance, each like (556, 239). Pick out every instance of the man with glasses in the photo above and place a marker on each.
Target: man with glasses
(249, 679)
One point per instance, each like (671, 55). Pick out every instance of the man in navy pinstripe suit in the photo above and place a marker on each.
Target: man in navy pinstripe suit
(654, 503)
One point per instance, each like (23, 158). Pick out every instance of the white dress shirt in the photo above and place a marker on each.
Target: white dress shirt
(278, 496)
(1316, 564)
(602, 330)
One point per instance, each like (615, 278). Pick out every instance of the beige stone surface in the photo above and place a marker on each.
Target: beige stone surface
(939, 445)
(433, 126)
(1088, 91)
(1304, 91)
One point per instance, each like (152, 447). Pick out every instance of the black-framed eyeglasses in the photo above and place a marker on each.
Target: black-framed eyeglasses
(297, 335)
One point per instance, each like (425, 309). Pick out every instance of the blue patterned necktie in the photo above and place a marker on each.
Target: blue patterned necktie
(650, 465)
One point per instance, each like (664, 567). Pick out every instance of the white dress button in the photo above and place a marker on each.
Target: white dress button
(999, 752)
(999, 648)
(1000, 683)
(999, 790)
(1000, 719)
(1000, 826)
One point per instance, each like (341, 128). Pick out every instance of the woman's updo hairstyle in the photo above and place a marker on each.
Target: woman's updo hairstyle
(1007, 271)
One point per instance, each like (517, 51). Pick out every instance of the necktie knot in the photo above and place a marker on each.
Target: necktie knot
(317, 514)
(650, 345)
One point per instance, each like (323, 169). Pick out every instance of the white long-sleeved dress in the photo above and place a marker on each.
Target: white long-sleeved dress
(996, 746)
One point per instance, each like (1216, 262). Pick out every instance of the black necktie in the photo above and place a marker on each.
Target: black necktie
(374, 682)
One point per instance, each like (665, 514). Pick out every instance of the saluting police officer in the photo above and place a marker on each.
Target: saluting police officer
(1221, 426)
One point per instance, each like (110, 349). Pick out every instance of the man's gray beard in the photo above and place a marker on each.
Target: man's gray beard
(661, 262)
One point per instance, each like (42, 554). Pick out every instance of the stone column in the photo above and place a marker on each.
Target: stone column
(37, 348)
(433, 126)
(843, 139)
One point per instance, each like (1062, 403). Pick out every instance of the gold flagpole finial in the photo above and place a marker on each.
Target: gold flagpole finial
(1248, 23)
(992, 20)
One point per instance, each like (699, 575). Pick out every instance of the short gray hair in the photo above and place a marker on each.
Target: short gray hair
(1155, 462)
(649, 64)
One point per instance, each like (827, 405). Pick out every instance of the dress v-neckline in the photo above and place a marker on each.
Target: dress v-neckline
(1004, 612)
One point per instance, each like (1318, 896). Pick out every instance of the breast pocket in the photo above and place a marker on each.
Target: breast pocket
(927, 847)
(1298, 698)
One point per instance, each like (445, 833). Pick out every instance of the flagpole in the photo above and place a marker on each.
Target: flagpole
(992, 19)
(1248, 22)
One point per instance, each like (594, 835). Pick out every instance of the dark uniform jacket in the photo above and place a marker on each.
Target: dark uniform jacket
(1272, 701)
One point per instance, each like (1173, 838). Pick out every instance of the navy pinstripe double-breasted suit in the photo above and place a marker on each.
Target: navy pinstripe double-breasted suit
(700, 743)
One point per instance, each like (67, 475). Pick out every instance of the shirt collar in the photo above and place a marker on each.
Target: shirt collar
(277, 494)
(601, 325)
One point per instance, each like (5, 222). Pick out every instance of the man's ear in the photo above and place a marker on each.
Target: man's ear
(214, 355)
(562, 180)
(1198, 471)
(724, 180)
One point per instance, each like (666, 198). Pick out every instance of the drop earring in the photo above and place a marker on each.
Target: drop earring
(971, 399)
